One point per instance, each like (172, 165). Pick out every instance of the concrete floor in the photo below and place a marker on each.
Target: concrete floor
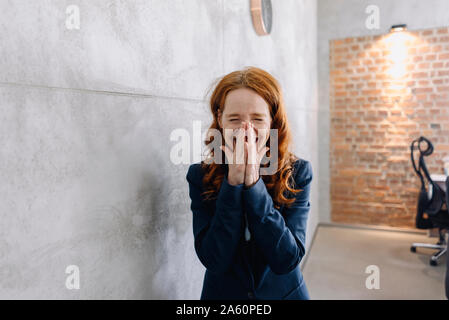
(336, 264)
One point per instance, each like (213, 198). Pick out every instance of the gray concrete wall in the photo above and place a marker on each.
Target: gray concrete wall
(86, 117)
(339, 19)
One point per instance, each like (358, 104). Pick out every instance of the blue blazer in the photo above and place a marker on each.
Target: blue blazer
(267, 265)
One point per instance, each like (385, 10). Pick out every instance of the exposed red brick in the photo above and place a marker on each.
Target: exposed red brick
(376, 110)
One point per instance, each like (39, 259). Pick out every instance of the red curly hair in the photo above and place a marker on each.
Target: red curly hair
(269, 89)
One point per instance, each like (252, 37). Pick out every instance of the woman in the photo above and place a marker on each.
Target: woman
(249, 229)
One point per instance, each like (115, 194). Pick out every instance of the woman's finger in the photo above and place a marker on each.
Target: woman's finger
(239, 150)
(251, 135)
(252, 154)
(262, 153)
(262, 137)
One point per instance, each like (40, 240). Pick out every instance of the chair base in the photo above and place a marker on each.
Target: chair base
(441, 246)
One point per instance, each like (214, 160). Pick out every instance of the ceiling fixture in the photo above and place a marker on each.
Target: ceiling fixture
(398, 27)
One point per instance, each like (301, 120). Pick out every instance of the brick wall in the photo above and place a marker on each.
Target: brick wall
(385, 91)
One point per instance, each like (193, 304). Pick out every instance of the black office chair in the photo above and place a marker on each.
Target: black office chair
(447, 241)
(431, 202)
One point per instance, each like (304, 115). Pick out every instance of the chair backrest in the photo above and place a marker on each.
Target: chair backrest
(431, 205)
(437, 200)
(446, 285)
(447, 195)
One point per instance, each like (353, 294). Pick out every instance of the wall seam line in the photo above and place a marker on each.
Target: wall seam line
(105, 92)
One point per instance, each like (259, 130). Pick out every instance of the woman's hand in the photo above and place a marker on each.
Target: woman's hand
(254, 152)
(236, 156)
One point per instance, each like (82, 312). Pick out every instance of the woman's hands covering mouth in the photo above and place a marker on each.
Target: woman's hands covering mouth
(245, 155)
